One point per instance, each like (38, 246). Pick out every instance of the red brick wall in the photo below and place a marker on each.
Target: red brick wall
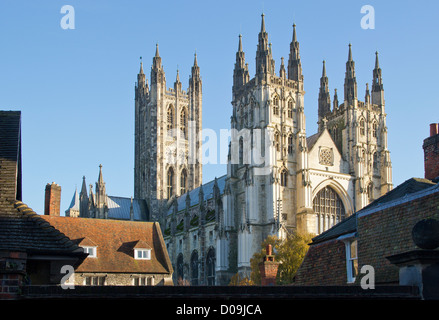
(431, 153)
(268, 271)
(52, 200)
(324, 264)
(388, 232)
(12, 270)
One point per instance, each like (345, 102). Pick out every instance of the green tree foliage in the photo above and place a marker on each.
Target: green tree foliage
(289, 252)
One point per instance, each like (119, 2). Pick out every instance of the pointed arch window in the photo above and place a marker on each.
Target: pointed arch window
(362, 127)
(170, 182)
(277, 141)
(210, 263)
(170, 120)
(290, 144)
(374, 129)
(183, 124)
(290, 109)
(194, 268)
(276, 105)
(284, 178)
(329, 209)
(183, 181)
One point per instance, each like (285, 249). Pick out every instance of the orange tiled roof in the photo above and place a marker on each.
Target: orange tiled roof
(115, 241)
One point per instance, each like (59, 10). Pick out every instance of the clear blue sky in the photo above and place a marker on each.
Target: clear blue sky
(75, 88)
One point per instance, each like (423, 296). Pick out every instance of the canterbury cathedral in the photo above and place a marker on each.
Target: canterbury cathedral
(279, 179)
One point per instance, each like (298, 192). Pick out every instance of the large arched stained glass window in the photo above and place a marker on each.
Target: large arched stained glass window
(329, 209)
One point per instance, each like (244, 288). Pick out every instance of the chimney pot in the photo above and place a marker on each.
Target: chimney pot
(434, 129)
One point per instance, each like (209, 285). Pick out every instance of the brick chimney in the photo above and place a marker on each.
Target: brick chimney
(52, 201)
(268, 268)
(431, 153)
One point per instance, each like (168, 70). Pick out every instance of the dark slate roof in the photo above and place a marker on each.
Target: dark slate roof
(311, 140)
(349, 225)
(119, 208)
(407, 187)
(21, 229)
(194, 194)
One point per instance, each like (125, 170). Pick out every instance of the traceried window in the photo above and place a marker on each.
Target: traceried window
(362, 127)
(194, 268)
(170, 182)
(170, 120)
(290, 109)
(277, 141)
(374, 129)
(329, 209)
(290, 144)
(183, 181)
(210, 264)
(183, 124)
(276, 106)
(284, 178)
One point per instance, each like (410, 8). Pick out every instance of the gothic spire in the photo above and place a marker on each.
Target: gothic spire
(263, 23)
(335, 102)
(157, 50)
(157, 60)
(294, 63)
(141, 66)
(195, 59)
(324, 96)
(350, 85)
(100, 178)
(263, 55)
(377, 84)
(240, 72)
(141, 76)
(84, 187)
(367, 95)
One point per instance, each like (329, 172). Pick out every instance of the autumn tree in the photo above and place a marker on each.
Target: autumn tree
(289, 252)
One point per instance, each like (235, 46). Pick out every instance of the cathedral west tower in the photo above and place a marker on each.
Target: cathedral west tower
(167, 147)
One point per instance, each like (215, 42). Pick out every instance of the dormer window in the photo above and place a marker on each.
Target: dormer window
(91, 252)
(142, 254)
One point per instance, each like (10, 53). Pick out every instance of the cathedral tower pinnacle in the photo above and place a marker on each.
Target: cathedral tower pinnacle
(294, 64)
(350, 84)
(324, 98)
